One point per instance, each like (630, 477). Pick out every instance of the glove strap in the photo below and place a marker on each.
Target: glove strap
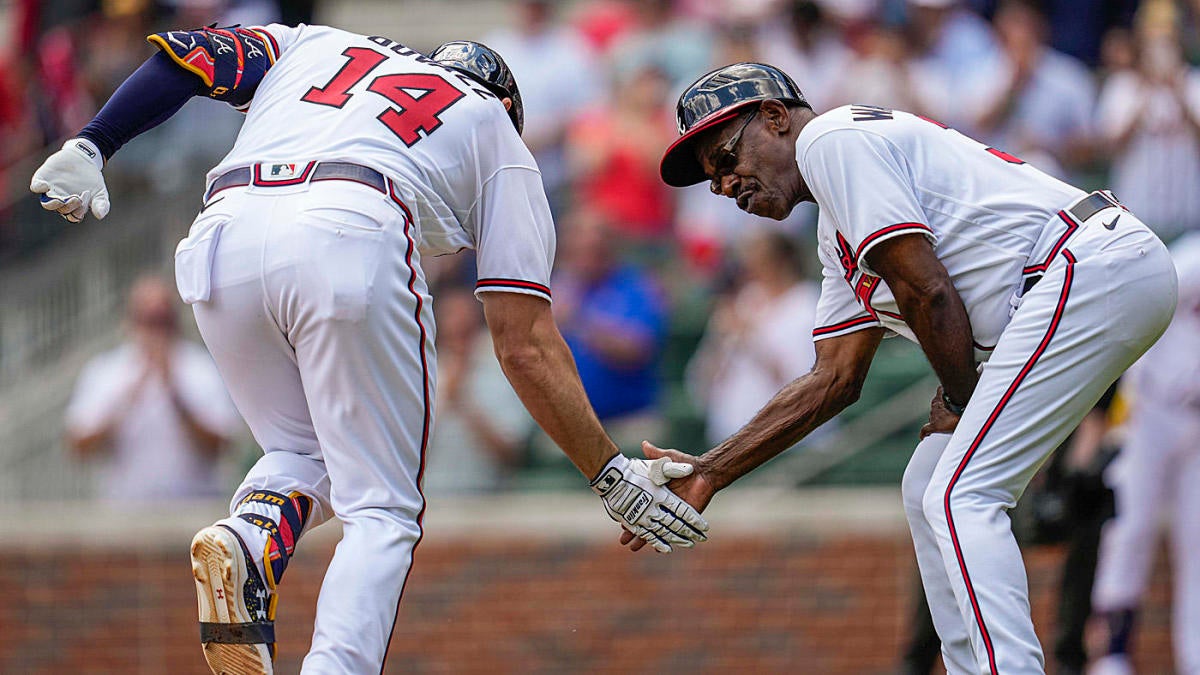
(610, 475)
(86, 148)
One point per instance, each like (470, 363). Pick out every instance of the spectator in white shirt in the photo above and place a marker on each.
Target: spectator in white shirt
(1034, 102)
(1149, 117)
(559, 77)
(481, 426)
(759, 337)
(153, 412)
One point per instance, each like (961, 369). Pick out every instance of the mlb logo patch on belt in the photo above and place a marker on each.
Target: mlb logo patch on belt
(282, 174)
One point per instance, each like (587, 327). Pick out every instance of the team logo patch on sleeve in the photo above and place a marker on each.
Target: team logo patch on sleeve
(231, 63)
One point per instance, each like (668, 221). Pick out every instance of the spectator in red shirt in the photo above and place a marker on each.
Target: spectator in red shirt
(612, 152)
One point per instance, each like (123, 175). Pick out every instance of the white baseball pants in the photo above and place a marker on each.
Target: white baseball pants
(313, 303)
(1158, 470)
(1104, 299)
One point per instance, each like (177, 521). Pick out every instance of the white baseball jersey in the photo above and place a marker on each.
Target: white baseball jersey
(311, 296)
(990, 216)
(446, 143)
(1104, 292)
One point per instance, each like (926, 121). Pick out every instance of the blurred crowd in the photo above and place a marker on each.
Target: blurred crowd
(683, 313)
(1096, 92)
(1099, 93)
(670, 301)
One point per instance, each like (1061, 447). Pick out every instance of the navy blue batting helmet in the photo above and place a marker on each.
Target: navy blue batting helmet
(715, 98)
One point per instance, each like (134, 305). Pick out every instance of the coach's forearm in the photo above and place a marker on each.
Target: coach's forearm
(808, 402)
(538, 364)
(938, 318)
(798, 409)
(932, 308)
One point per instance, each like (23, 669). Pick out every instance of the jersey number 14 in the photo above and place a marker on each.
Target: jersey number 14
(411, 114)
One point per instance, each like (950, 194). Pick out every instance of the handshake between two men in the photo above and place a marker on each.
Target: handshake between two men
(636, 495)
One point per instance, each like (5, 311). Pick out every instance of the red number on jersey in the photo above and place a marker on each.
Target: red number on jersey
(415, 112)
(1011, 159)
(336, 93)
(412, 113)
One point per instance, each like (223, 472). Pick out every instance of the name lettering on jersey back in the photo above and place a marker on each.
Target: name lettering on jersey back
(401, 50)
(869, 113)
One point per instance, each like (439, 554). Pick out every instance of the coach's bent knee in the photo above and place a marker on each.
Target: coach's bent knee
(934, 501)
(912, 489)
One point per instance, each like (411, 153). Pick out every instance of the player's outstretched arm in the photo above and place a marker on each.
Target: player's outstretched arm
(70, 181)
(538, 364)
(226, 64)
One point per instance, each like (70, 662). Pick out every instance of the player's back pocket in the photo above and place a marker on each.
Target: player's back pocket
(194, 258)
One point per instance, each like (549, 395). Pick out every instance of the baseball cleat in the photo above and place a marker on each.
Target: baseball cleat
(237, 629)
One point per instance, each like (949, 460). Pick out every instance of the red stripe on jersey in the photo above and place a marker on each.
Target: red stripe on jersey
(862, 321)
(512, 283)
(890, 229)
(934, 122)
(1071, 227)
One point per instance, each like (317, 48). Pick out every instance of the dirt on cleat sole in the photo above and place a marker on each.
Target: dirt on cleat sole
(219, 567)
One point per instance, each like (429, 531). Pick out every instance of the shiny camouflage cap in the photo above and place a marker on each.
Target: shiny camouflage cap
(716, 98)
(486, 67)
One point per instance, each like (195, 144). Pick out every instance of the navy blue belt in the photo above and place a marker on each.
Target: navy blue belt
(1092, 204)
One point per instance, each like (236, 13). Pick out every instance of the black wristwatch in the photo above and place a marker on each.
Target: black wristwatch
(952, 406)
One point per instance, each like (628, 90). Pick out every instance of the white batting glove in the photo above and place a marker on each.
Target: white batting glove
(634, 495)
(70, 181)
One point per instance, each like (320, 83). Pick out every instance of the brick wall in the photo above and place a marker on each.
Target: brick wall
(802, 602)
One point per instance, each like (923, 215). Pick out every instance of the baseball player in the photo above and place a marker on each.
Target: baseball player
(358, 155)
(968, 251)
(1158, 469)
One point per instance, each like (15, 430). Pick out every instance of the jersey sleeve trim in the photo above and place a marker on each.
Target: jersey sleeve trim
(513, 286)
(845, 327)
(272, 44)
(889, 232)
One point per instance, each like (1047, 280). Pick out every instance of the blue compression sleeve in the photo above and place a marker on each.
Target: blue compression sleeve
(155, 92)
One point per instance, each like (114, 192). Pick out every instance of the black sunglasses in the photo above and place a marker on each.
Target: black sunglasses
(726, 158)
